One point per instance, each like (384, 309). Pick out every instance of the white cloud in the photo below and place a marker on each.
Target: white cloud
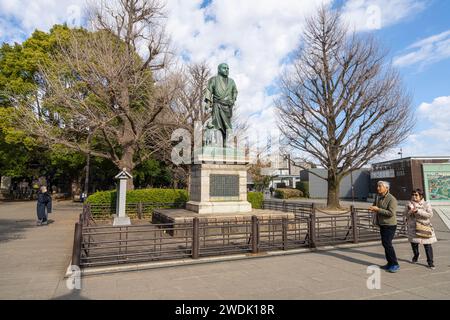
(434, 139)
(427, 51)
(19, 18)
(431, 136)
(364, 15)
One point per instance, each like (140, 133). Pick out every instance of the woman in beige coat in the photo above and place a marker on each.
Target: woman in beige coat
(418, 210)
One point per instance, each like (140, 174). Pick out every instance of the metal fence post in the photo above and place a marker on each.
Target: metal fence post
(284, 222)
(139, 210)
(354, 224)
(255, 234)
(77, 239)
(195, 238)
(284, 206)
(89, 214)
(312, 227)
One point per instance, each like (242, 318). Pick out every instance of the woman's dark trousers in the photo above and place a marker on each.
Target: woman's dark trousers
(387, 235)
(428, 251)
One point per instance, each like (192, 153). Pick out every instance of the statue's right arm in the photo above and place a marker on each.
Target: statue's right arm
(209, 92)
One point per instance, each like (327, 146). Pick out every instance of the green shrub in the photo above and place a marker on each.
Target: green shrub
(303, 186)
(256, 199)
(144, 195)
(288, 193)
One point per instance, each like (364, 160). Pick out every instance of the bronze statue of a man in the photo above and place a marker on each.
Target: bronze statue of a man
(221, 95)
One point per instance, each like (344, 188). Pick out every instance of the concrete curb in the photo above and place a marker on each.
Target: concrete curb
(188, 262)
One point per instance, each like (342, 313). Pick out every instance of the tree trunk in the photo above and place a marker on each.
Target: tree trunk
(333, 191)
(127, 163)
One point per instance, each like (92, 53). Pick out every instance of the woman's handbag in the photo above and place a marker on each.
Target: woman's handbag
(423, 231)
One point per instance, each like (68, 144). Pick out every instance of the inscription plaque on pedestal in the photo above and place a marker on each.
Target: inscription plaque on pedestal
(224, 185)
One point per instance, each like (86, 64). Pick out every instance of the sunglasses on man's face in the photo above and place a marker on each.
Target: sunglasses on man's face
(416, 195)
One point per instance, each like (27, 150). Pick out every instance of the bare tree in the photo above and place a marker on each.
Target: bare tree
(341, 104)
(102, 96)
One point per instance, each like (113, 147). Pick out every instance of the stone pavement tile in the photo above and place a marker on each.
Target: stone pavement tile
(442, 287)
(319, 284)
(37, 293)
(14, 280)
(438, 275)
(398, 295)
(196, 295)
(352, 292)
(301, 264)
(11, 291)
(133, 284)
(107, 283)
(168, 293)
(429, 293)
(408, 283)
(99, 294)
(287, 293)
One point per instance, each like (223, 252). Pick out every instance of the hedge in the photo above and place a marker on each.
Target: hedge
(288, 193)
(144, 195)
(256, 199)
(160, 196)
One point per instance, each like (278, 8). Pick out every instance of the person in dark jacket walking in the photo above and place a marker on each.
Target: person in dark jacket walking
(385, 211)
(44, 206)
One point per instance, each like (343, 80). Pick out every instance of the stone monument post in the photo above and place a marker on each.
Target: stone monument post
(121, 218)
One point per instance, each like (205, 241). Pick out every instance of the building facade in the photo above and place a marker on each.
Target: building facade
(407, 174)
(354, 186)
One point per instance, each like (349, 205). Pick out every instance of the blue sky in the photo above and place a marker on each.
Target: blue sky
(430, 81)
(264, 32)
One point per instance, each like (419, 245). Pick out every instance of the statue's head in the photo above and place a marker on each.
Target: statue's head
(223, 69)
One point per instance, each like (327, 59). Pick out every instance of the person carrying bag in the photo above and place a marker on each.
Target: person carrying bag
(420, 230)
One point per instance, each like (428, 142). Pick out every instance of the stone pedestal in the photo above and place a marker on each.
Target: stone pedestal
(219, 182)
(122, 219)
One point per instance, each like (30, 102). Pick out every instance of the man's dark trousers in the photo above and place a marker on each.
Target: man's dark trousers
(387, 235)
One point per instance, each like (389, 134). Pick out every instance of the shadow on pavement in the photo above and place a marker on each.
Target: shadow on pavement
(344, 257)
(14, 229)
(73, 295)
(356, 260)
(373, 254)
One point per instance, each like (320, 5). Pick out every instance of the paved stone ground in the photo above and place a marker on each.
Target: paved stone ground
(36, 259)
(444, 213)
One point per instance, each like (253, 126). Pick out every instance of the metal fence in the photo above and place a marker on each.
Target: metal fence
(296, 208)
(96, 245)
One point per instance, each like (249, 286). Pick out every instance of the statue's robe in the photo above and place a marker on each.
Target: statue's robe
(221, 93)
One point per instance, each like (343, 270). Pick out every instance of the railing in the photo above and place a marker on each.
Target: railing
(96, 245)
(106, 245)
(296, 208)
